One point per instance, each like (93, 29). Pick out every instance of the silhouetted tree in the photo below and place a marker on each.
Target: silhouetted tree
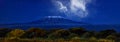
(80, 31)
(73, 36)
(53, 30)
(15, 33)
(111, 37)
(4, 32)
(35, 33)
(87, 35)
(92, 39)
(105, 33)
(117, 37)
(59, 34)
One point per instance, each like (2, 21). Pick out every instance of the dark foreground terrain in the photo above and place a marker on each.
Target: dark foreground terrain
(59, 40)
(78, 34)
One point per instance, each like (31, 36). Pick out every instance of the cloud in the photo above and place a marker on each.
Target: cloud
(74, 7)
(62, 7)
(77, 4)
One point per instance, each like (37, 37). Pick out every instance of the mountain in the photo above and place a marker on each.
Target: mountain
(48, 22)
(55, 21)
(59, 22)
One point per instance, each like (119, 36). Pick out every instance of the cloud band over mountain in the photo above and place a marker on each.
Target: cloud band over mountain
(75, 7)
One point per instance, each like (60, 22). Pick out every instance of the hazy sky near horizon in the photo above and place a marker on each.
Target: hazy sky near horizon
(98, 11)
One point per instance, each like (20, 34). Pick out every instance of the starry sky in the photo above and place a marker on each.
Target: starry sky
(22, 11)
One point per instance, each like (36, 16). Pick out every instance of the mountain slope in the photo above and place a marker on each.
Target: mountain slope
(53, 22)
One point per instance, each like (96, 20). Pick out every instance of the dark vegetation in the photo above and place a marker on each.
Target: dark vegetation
(59, 34)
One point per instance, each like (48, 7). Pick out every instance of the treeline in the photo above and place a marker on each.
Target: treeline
(72, 33)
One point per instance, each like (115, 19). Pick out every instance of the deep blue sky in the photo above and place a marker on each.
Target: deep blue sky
(21, 11)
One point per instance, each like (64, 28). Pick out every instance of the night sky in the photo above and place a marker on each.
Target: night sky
(22, 11)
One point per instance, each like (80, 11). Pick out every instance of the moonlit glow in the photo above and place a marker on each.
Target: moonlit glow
(74, 7)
